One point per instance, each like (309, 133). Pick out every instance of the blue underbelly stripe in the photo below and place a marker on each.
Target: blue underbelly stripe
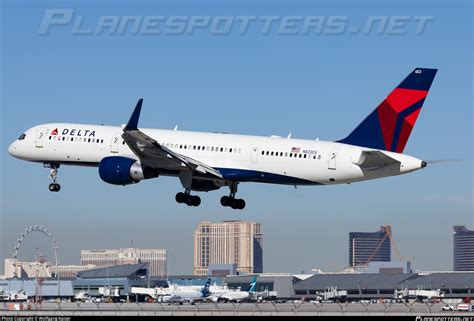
(245, 175)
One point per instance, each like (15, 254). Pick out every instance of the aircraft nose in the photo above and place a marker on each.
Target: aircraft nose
(12, 149)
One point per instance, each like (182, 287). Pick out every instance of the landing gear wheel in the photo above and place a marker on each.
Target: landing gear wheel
(186, 198)
(180, 197)
(195, 200)
(240, 204)
(234, 203)
(225, 200)
(54, 187)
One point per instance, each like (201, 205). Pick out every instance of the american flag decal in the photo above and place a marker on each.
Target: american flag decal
(295, 149)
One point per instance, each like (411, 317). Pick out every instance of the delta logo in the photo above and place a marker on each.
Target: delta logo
(74, 132)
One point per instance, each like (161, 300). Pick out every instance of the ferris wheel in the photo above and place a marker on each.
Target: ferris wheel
(41, 230)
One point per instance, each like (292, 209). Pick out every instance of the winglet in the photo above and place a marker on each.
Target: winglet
(133, 122)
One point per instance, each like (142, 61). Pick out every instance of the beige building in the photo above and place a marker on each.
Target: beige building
(230, 242)
(156, 258)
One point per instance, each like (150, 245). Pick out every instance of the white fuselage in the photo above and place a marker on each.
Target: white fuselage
(254, 158)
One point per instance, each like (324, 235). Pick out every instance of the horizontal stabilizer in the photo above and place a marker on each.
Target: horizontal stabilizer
(375, 159)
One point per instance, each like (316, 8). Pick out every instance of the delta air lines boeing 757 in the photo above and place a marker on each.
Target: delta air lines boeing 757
(208, 161)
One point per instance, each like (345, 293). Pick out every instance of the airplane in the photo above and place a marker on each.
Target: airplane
(191, 296)
(205, 162)
(234, 295)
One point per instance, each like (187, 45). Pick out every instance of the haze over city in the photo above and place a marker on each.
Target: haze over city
(320, 87)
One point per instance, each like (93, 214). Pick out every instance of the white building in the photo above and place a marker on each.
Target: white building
(156, 258)
(23, 269)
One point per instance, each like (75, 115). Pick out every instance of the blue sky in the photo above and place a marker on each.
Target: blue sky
(313, 85)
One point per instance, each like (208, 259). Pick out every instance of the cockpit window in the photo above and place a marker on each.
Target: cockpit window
(22, 136)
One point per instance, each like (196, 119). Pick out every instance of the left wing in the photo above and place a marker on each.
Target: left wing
(152, 154)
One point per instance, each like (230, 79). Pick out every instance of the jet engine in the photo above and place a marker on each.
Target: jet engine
(119, 170)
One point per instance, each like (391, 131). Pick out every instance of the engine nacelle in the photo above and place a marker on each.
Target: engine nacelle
(119, 170)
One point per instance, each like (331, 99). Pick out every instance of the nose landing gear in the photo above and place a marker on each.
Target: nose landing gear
(54, 186)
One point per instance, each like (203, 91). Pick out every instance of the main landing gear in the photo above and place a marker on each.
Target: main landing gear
(188, 199)
(54, 186)
(231, 201)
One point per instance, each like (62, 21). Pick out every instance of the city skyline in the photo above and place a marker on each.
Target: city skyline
(461, 240)
(310, 85)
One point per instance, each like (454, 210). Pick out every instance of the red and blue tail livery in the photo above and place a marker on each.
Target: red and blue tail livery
(389, 126)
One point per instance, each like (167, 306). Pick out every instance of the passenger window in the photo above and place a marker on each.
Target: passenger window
(230, 150)
(263, 153)
(49, 137)
(319, 156)
(89, 140)
(304, 155)
(286, 154)
(64, 138)
(222, 149)
(101, 141)
(281, 154)
(207, 148)
(300, 156)
(194, 147)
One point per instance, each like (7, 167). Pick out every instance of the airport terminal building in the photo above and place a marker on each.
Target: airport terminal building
(357, 286)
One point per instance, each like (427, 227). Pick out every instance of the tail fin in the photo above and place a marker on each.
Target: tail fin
(205, 289)
(253, 285)
(389, 126)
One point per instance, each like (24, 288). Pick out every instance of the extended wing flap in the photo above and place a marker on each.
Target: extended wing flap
(153, 154)
(375, 159)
